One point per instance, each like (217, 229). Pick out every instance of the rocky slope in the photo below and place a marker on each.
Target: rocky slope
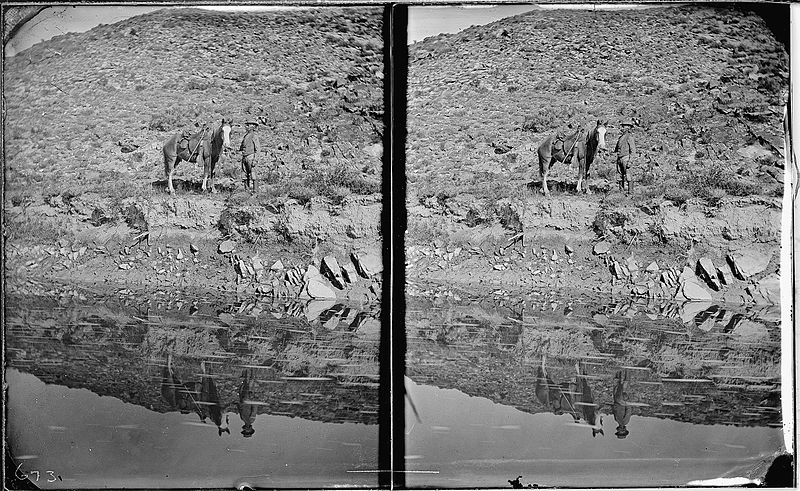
(706, 87)
(86, 115)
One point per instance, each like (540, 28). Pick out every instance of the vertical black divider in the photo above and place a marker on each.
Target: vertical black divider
(399, 64)
(391, 453)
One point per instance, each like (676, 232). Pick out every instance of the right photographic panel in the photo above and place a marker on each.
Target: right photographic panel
(594, 244)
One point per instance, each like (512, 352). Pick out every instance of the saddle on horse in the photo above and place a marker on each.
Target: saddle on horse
(184, 150)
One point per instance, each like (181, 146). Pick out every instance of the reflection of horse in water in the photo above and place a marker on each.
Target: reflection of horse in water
(555, 397)
(204, 147)
(559, 399)
(202, 397)
(179, 395)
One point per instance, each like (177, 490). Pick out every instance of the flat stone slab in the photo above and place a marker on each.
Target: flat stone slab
(749, 262)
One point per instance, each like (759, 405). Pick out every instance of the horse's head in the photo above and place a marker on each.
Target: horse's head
(226, 133)
(601, 134)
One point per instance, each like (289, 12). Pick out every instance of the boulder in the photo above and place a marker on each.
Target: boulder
(315, 288)
(276, 266)
(724, 276)
(748, 262)
(312, 273)
(315, 308)
(693, 291)
(227, 246)
(367, 264)
(652, 267)
(568, 249)
(349, 272)
(689, 310)
(193, 248)
(330, 267)
(602, 247)
(686, 275)
(708, 272)
(767, 290)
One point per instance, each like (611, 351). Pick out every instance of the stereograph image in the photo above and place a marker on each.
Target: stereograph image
(592, 253)
(194, 212)
(193, 247)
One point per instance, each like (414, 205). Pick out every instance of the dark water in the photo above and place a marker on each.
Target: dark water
(177, 389)
(583, 392)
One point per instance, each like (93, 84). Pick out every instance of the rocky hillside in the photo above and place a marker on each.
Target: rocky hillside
(313, 77)
(87, 114)
(705, 86)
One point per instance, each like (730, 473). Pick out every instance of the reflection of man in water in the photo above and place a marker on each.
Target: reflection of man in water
(209, 399)
(246, 411)
(622, 412)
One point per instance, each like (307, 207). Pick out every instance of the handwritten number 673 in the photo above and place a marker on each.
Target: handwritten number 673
(20, 474)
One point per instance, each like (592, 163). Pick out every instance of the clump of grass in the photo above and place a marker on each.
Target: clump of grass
(334, 183)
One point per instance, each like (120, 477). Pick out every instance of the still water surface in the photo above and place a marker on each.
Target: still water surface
(135, 389)
(587, 392)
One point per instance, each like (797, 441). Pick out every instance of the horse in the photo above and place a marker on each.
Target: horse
(205, 147)
(583, 145)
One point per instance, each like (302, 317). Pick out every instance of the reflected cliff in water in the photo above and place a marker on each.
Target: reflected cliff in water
(715, 365)
(584, 391)
(282, 377)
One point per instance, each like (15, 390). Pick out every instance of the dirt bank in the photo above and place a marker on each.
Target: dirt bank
(226, 243)
(603, 243)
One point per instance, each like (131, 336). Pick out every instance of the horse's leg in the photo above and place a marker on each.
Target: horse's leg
(589, 160)
(212, 164)
(545, 161)
(170, 163)
(580, 155)
(203, 161)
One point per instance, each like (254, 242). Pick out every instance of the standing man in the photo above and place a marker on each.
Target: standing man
(250, 148)
(625, 150)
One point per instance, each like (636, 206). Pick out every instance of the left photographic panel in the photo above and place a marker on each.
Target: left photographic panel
(192, 221)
